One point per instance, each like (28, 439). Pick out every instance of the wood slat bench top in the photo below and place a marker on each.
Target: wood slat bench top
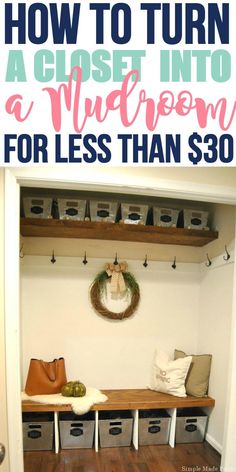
(131, 399)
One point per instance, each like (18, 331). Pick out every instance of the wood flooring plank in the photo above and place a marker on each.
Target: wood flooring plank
(49, 464)
(183, 458)
(139, 467)
(33, 461)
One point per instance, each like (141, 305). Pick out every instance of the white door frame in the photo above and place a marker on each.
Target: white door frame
(83, 179)
(3, 397)
(12, 322)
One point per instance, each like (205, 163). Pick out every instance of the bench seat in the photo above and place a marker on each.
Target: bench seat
(129, 399)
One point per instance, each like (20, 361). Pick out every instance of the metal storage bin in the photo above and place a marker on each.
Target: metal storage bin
(103, 211)
(195, 219)
(37, 207)
(76, 431)
(71, 209)
(154, 427)
(115, 428)
(191, 425)
(37, 431)
(132, 213)
(165, 217)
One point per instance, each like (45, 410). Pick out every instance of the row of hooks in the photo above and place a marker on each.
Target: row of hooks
(226, 257)
(85, 260)
(53, 259)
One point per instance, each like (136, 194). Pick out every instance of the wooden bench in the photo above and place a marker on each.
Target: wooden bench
(132, 399)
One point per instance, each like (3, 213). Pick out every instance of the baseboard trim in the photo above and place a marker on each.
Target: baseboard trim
(214, 443)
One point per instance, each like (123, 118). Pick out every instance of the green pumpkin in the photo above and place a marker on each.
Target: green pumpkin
(67, 390)
(73, 389)
(79, 390)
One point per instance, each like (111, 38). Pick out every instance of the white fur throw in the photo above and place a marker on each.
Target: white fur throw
(79, 405)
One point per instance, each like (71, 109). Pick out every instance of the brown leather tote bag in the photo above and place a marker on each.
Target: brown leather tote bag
(45, 377)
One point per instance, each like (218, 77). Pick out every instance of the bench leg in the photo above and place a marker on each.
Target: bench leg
(96, 431)
(56, 432)
(172, 412)
(135, 429)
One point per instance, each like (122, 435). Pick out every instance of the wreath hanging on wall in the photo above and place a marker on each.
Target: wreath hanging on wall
(121, 281)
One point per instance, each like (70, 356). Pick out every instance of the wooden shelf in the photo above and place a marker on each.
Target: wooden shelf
(131, 399)
(53, 228)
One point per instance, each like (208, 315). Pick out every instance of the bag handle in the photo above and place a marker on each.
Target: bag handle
(50, 369)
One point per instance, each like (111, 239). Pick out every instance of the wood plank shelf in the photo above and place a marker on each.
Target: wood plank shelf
(129, 399)
(53, 228)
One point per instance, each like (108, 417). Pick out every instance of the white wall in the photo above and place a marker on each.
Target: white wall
(58, 320)
(188, 308)
(222, 220)
(215, 317)
(229, 451)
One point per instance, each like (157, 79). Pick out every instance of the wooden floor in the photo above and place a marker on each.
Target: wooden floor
(183, 458)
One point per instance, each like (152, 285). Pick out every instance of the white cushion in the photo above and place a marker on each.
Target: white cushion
(169, 376)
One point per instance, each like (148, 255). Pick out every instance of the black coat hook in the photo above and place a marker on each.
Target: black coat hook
(85, 259)
(145, 264)
(208, 263)
(21, 252)
(53, 260)
(116, 260)
(174, 264)
(227, 256)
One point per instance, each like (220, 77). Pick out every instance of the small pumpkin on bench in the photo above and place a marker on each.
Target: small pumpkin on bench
(73, 389)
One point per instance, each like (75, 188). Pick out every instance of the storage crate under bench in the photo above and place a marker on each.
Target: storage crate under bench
(191, 425)
(76, 431)
(115, 428)
(154, 427)
(37, 431)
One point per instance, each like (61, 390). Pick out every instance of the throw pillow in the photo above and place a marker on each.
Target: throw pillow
(198, 375)
(169, 376)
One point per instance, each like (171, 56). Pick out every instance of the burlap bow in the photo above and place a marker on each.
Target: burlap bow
(117, 280)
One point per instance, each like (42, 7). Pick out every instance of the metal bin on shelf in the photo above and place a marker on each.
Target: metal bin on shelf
(71, 209)
(37, 207)
(102, 210)
(195, 219)
(133, 214)
(165, 217)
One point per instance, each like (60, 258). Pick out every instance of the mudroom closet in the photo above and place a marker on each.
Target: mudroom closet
(186, 278)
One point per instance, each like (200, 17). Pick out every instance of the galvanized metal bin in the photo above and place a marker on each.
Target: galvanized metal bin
(165, 217)
(191, 425)
(102, 210)
(76, 431)
(133, 214)
(37, 431)
(115, 428)
(195, 219)
(37, 207)
(71, 209)
(154, 427)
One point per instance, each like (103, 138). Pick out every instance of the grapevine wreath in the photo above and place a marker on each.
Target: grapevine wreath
(121, 281)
